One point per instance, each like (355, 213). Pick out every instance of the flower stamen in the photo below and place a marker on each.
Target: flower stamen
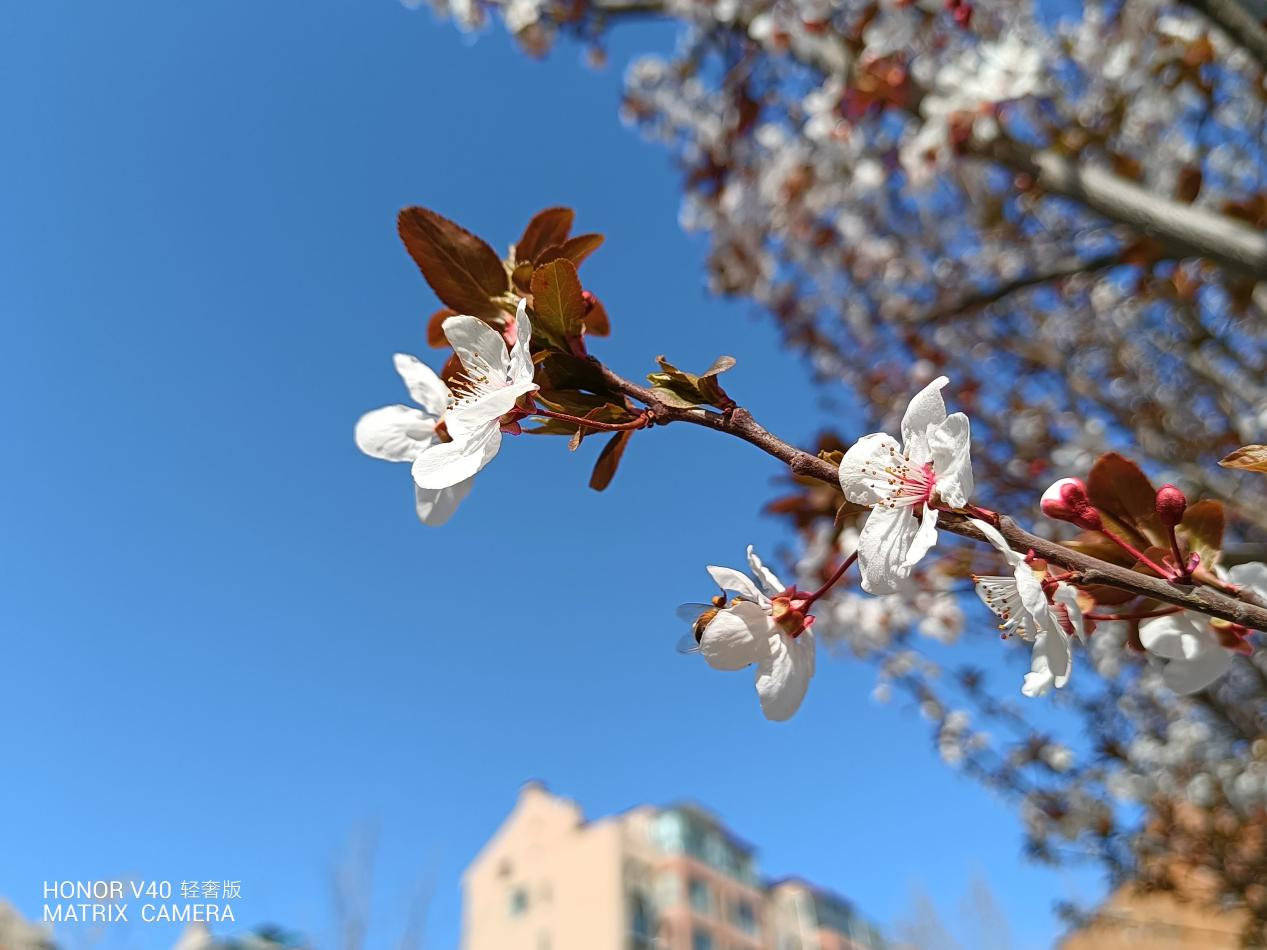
(899, 483)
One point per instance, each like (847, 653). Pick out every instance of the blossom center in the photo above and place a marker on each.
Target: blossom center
(899, 483)
(788, 612)
(476, 381)
(1003, 598)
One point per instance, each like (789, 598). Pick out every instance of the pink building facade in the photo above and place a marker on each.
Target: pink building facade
(650, 878)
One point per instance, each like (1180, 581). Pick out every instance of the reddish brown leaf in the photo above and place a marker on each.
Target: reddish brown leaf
(435, 329)
(609, 460)
(574, 249)
(596, 320)
(1118, 487)
(463, 270)
(452, 367)
(521, 277)
(547, 228)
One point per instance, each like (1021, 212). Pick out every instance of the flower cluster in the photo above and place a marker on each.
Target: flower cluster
(458, 428)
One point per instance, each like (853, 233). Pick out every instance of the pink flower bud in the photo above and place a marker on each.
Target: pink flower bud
(1170, 505)
(1067, 500)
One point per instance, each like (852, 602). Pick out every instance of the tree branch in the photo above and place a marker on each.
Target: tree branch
(1239, 23)
(1183, 229)
(739, 423)
(1066, 267)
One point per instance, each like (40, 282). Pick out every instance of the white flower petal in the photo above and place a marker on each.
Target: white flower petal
(480, 348)
(1041, 676)
(1068, 596)
(425, 387)
(1057, 646)
(521, 368)
(473, 413)
(783, 676)
(394, 433)
(868, 453)
(727, 578)
(1252, 575)
(950, 445)
(882, 547)
(926, 409)
(1171, 637)
(448, 463)
(1191, 676)
(924, 538)
(766, 579)
(1030, 589)
(738, 636)
(435, 506)
(994, 537)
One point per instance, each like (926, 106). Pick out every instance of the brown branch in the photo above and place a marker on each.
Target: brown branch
(1060, 271)
(1239, 23)
(1091, 571)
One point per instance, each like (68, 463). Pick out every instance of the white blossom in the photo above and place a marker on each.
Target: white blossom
(1022, 604)
(491, 382)
(747, 631)
(401, 433)
(1191, 652)
(931, 467)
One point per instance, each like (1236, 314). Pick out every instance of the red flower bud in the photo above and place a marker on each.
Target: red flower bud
(1170, 505)
(1067, 500)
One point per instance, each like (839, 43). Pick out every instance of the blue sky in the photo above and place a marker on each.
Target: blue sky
(228, 644)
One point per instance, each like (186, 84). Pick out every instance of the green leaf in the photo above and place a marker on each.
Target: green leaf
(562, 370)
(463, 270)
(546, 229)
(557, 303)
(609, 460)
(678, 388)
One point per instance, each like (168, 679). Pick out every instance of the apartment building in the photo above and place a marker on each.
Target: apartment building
(650, 878)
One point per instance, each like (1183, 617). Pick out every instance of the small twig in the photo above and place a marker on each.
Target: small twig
(641, 422)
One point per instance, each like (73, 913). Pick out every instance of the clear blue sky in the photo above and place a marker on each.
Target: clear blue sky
(227, 642)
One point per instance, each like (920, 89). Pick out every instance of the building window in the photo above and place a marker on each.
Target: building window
(518, 901)
(701, 940)
(701, 899)
(743, 916)
(641, 924)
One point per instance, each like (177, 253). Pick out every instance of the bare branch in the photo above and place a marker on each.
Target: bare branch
(1239, 23)
(1066, 267)
(1183, 229)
